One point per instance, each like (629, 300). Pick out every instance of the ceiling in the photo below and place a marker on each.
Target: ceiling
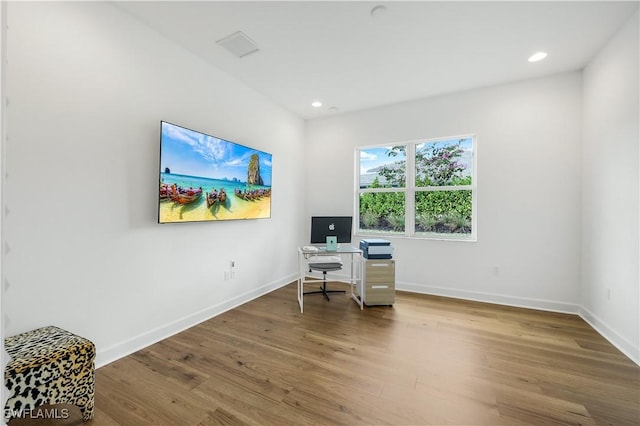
(341, 54)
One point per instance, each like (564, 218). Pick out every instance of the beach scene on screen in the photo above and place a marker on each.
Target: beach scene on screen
(205, 178)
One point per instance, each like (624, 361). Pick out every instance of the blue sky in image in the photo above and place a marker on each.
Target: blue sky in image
(188, 152)
(371, 158)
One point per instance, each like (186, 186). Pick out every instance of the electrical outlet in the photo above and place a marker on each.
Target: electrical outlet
(232, 269)
(608, 293)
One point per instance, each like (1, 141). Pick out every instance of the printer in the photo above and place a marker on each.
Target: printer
(376, 248)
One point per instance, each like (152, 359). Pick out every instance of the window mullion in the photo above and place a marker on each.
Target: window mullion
(358, 190)
(410, 198)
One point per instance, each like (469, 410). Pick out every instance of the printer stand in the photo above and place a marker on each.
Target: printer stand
(379, 286)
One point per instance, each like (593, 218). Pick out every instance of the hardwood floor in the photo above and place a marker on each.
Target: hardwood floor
(426, 360)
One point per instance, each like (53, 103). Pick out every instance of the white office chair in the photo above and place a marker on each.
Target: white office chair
(325, 264)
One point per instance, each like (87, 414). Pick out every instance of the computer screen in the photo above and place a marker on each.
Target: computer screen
(324, 226)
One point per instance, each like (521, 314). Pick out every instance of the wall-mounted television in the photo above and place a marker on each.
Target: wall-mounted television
(206, 178)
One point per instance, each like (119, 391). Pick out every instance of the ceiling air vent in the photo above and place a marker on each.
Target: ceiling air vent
(239, 44)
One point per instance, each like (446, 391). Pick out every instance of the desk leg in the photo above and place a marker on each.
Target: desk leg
(301, 295)
(300, 285)
(301, 278)
(356, 280)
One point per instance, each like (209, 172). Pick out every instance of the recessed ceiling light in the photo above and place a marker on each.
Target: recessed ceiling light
(537, 56)
(316, 104)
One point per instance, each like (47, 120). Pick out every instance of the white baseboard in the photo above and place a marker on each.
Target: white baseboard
(500, 299)
(122, 349)
(622, 344)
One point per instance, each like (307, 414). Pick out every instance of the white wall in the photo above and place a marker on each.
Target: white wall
(528, 174)
(88, 86)
(610, 214)
(4, 357)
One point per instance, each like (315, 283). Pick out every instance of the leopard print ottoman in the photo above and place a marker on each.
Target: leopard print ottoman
(49, 366)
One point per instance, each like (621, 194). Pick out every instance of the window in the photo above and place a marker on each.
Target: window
(422, 189)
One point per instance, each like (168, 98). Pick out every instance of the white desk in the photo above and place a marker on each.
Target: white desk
(346, 252)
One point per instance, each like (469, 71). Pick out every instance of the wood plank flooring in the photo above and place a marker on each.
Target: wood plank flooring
(426, 360)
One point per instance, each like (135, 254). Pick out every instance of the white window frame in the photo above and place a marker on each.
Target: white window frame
(410, 190)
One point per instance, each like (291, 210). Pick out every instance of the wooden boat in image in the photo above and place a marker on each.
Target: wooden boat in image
(239, 193)
(165, 192)
(216, 197)
(211, 198)
(185, 196)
